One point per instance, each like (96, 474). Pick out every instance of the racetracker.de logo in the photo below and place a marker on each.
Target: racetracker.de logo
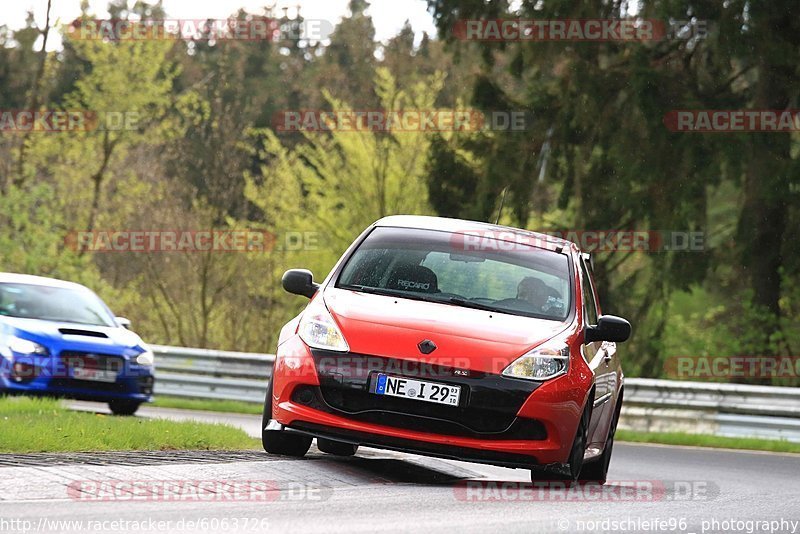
(725, 121)
(52, 121)
(170, 241)
(407, 120)
(601, 30)
(197, 490)
(251, 28)
(97, 367)
(587, 240)
(728, 367)
(616, 491)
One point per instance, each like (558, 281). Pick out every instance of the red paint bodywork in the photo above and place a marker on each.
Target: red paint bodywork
(466, 338)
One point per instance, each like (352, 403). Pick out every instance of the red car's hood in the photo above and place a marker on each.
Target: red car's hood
(465, 338)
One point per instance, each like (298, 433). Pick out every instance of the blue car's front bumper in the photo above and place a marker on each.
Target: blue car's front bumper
(54, 373)
(135, 388)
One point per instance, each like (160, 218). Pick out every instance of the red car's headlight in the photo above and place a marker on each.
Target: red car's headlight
(318, 330)
(542, 363)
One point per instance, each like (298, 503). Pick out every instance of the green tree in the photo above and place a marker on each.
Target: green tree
(348, 63)
(130, 81)
(335, 184)
(598, 156)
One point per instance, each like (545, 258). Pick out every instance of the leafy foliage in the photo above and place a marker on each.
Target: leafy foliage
(204, 153)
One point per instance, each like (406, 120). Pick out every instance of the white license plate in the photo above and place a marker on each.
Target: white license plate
(94, 375)
(409, 388)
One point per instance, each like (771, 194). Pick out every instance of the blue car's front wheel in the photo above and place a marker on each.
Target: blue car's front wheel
(123, 407)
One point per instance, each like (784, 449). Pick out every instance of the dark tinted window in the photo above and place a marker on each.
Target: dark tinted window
(61, 304)
(590, 306)
(431, 265)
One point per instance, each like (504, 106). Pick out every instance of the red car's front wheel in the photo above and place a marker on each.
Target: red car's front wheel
(575, 462)
(597, 470)
(278, 441)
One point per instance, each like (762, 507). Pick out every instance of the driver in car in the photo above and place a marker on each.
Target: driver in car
(534, 292)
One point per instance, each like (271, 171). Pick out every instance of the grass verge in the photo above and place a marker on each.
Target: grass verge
(43, 425)
(705, 440)
(229, 406)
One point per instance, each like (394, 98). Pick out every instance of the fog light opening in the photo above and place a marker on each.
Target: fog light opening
(24, 372)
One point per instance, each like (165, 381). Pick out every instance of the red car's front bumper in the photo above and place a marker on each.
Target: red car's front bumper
(502, 421)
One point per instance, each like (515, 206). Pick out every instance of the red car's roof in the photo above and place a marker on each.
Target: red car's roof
(461, 226)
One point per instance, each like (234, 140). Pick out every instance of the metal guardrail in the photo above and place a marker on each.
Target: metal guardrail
(732, 410)
(211, 374)
(650, 405)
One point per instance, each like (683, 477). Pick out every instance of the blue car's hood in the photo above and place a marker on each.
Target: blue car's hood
(48, 332)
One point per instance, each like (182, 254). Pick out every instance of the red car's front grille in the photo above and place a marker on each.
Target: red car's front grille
(488, 409)
(518, 428)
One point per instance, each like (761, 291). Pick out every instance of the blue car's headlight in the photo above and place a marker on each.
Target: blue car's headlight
(21, 346)
(146, 358)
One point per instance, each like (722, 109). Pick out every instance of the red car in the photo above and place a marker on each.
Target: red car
(454, 339)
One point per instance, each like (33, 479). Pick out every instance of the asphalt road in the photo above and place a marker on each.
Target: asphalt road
(651, 489)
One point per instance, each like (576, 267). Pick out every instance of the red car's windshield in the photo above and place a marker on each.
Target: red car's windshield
(433, 265)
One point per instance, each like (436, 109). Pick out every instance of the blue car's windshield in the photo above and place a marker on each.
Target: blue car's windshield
(53, 304)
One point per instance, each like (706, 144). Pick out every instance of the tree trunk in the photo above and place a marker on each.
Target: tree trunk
(35, 96)
(762, 224)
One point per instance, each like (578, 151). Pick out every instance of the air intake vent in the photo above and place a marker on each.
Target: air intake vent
(79, 332)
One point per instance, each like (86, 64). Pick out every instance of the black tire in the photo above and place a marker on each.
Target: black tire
(123, 407)
(575, 462)
(337, 448)
(278, 441)
(597, 470)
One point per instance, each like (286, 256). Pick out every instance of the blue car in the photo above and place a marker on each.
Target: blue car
(59, 339)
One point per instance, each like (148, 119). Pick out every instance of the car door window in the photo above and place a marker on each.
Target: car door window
(589, 306)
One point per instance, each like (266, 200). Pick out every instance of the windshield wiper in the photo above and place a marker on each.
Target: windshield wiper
(470, 304)
(457, 301)
(412, 295)
(373, 290)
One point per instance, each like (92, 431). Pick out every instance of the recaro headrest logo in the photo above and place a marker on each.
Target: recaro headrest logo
(410, 284)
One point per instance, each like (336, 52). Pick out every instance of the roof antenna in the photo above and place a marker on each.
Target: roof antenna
(502, 203)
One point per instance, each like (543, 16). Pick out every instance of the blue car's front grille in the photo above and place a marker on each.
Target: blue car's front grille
(105, 362)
